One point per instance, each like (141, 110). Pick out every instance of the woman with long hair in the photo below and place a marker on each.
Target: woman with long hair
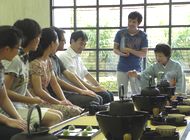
(41, 74)
(17, 75)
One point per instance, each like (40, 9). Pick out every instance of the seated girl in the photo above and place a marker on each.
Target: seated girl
(41, 75)
(17, 73)
(11, 122)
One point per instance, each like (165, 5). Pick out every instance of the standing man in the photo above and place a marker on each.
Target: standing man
(73, 62)
(131, 45)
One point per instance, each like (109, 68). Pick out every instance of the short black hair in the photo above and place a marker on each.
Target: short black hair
(78, 34)
(30, 30)
(58, 31)
(135, 15)
(163, 48)
(9, 36)
(48, 35)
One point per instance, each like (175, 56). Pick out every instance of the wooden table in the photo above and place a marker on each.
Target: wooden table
(91, 120)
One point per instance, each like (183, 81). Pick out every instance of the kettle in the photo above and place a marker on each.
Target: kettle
(164, 83)
(150, 90)
(166, 89)
(122, 107)
(39, 133)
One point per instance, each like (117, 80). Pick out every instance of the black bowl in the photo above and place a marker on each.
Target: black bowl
(147, 103)
(169, 91)
(114, 127)
(122, 108)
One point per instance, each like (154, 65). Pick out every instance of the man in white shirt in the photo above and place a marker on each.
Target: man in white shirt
(72, 61)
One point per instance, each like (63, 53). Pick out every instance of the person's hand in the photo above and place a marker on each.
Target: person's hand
(38, 100)
(66, 102)
(99, 89)
(173, 98)
(88, 93)
(124, 52)
(132, 73)
(17, 123)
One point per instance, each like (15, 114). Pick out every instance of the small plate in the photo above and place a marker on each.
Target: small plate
(76, 134)
(175, 110)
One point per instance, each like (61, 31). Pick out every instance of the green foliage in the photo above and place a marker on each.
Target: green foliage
(110, 85)
(107, 61)
(181, 40)
(91, 39)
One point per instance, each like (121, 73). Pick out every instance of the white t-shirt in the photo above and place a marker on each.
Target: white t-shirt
(20, 70)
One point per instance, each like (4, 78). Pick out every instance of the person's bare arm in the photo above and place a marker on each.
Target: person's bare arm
(15, 123)
(140, 53)
(56, 87)
(40, 92)
(9, 78)
(74, 79)
(7, 105)
(117, 51)
(70, 87)
(91, 80)
(94, 88)
(58, 91)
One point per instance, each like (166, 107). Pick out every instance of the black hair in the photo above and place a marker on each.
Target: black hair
(135, 15)
(9, 36)
(78, 34)
(58, 31)
(30, 30)
(163, 48)
(47, 36)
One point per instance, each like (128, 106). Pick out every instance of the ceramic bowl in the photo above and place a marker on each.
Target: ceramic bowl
(148, 103)
(115, 127)
(183, 108)
(166, 130)
(122, 108)
(178, 117)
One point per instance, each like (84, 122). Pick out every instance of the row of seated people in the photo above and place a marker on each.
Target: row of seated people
(31, 73)
(42, 73)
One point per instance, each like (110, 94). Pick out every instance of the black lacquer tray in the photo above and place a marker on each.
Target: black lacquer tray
(159, 120)
(153, 135)
(76, 134)
(175, 110)
(186, 113)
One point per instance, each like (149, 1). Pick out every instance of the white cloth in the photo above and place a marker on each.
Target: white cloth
(73, 62)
